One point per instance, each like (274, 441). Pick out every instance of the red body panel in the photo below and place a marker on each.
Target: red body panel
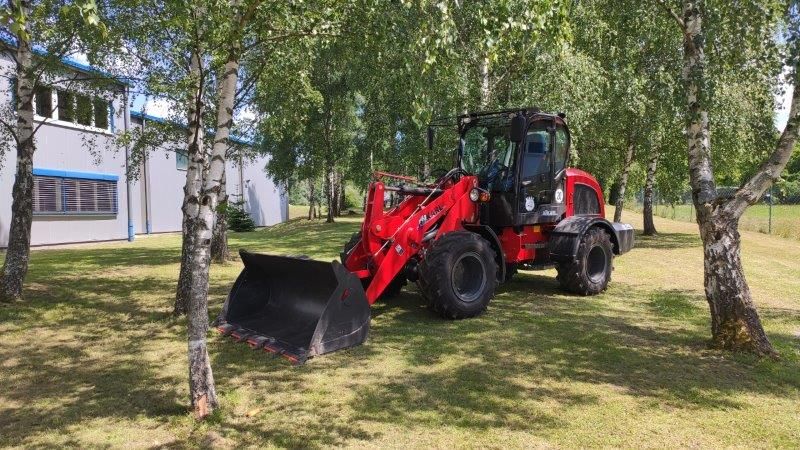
(390, 238)
(577, 176)
(522, 247)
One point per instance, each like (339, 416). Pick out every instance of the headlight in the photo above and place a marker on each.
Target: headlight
(479, 195)
(474, 195)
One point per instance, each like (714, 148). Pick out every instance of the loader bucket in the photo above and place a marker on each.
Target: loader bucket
(295, 307)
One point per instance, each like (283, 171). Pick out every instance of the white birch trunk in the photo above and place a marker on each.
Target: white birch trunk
(649, 184)
(735, 323)
(195, 152)
(486, 92)
(623, 182)
(220, 252)
(200, 211)
(15, 267)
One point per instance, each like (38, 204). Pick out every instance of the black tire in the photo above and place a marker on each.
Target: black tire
(511, 270)
(396, 284)
(354, 240)
(458, 275)
(590, 273)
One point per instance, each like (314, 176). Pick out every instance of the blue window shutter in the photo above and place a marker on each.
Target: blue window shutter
(80, 193)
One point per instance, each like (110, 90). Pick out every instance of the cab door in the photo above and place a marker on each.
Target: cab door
(542, 157)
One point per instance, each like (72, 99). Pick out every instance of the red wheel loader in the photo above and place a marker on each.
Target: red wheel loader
(509, 203)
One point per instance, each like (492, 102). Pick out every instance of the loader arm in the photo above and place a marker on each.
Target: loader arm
(389, 239)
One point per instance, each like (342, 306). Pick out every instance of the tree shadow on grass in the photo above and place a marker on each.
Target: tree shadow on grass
(103, 258)
(85, 365)
(668, 241)
(526, 341)
(506, 368)
(525, 364)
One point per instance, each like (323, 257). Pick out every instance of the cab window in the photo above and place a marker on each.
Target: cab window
(536, 151)
(562, 148)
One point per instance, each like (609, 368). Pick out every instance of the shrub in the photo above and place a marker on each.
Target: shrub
(238, 218)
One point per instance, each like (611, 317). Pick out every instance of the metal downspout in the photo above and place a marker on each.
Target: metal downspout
(241, 180)
(146, 180)
(126, 121)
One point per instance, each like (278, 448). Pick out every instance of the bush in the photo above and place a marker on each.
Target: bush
(353, 197)
(238, 218)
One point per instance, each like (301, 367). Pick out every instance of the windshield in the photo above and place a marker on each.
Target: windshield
(487, 152)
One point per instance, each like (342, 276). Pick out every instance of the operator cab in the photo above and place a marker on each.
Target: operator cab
(523, 173)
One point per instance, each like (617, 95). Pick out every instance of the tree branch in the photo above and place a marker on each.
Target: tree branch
(673, 14)
(771, 169)
(11, 130)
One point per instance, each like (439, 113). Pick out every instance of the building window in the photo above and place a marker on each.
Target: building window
(46, 195)
(83, 111)
(73, 196)
(79, 109)
(66, 106)
(181, 160)
(101, 110)
(43, 97)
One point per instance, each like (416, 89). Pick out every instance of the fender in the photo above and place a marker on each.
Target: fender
(566, 236)
(487, 233)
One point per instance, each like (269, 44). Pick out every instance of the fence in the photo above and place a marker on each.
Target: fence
(775, 213)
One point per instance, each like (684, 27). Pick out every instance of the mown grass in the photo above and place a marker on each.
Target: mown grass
(785, 218)
(92, 358)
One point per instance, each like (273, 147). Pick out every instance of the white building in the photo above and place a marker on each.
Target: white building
(83, 196)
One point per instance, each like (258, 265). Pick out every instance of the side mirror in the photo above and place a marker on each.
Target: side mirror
(430, 138)
(518, 123)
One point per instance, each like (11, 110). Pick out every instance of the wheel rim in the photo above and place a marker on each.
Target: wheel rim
(468, 277)
(596, 263)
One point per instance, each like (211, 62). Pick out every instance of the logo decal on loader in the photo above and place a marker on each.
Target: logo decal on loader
(426, 217)
(529, 203)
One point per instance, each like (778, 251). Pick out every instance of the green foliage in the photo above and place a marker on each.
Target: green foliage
(402, 63)
(238, 218)
(353, 197)
(787, 189)
(53, 30)
(300, 192)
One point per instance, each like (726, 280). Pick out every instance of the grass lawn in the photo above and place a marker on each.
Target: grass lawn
(92, 358)
(785, 218)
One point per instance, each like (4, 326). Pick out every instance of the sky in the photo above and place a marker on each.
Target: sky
(782, 110)
(153, 106)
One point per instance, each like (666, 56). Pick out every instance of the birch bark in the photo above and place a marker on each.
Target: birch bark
(623, 182)
(194, 176)
(15, 267)
(735, 323)
(647, 211)
(220, 252)
(202, 206)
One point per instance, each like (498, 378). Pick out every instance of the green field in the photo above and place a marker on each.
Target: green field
(785, 218)
(92, 358)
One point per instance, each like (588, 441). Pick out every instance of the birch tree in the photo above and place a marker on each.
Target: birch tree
(735, 323)
(37, 35)
(220, 253)
(246, 22)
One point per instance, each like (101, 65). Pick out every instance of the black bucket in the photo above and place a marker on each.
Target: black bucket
(295, 307)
